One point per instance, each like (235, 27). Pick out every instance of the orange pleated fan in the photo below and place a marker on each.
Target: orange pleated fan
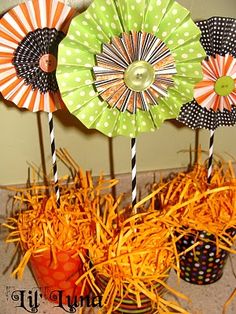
(29, 38)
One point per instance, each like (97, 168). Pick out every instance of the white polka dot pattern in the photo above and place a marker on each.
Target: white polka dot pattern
(102, 21)
(218, 37)
(195, 116)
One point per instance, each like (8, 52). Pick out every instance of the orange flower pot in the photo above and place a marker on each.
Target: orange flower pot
(52, 278)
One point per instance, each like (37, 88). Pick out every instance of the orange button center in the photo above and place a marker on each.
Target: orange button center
(48, 63)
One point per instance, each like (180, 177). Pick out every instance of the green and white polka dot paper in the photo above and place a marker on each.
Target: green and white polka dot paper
(105, 19)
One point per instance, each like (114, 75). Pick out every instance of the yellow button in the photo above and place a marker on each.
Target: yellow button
(224, 86)
(139, 76)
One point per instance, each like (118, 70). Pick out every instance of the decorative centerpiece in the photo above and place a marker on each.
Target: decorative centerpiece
(131, 259)
(214, 103)
(29, 37)
(206, 214)
(125, 68)
(54, 238)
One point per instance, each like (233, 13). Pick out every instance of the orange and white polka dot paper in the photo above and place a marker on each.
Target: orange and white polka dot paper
(62, 276)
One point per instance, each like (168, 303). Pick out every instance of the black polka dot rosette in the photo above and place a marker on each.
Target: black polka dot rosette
(29, 37)
(218, 35)
(27, 58)
(196, 117)
(214, 102)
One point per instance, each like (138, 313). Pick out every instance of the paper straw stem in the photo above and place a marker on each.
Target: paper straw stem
(54, 157)
(211, 150)
(134, 171)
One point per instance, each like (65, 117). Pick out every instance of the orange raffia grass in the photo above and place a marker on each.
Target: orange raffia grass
(134, 255)
(44, 225)
(194, 205)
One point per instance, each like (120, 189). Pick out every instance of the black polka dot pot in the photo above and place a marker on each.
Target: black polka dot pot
(204, 264)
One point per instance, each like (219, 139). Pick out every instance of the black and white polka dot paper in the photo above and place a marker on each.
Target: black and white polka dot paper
(197, 117)
(218, 37)
(28, 53)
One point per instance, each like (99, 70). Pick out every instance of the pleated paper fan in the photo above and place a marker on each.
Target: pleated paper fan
(214, 102)
(29, 38)
(127, 66)
(218, 35)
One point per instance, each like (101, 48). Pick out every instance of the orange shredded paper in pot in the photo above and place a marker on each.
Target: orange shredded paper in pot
(133, 256)
(41, 224)
(194, 205)
(133, 253)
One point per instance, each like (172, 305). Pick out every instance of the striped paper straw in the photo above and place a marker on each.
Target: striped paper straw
(211, 150)
(134, 171)
(54, 157)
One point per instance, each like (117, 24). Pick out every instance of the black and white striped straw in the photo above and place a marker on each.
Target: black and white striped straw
(54, 157)
(210, 160)
(134, 171)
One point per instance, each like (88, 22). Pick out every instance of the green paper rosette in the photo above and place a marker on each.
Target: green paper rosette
(126, 66)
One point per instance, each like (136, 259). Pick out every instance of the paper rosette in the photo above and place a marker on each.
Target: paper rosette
(79, 5)
(29, 38)
(126, 66)
(214, 103)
